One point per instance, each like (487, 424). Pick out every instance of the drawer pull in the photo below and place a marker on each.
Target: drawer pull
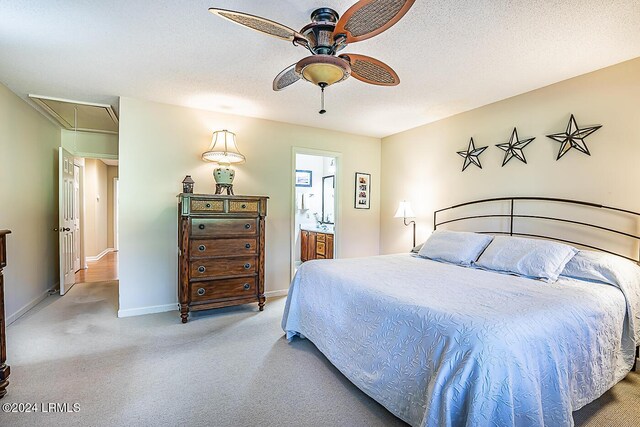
(200, 291)
(201, 226)
(246, 286)
(202, 269)
(247, 245)
(202, 248)
(247, 226)
(243, 206)
(208, 205)
(247, 266)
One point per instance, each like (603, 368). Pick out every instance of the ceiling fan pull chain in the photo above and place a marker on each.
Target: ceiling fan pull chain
(322, 110)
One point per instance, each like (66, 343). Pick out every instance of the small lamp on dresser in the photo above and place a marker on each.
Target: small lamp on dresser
(404, 211)
(223, 151)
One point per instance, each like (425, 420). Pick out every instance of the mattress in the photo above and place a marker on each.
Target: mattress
(443, 345)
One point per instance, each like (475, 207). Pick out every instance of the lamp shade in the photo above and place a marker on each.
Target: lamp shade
(404, 210)
(223, 149)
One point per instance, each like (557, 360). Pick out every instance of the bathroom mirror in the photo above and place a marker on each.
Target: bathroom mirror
(328, 205)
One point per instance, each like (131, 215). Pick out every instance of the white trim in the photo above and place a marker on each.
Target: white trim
(114, 202)
(337, 200)
(278, 293)
(69, 101)
(96, 155)
(28, 306)
(147, 310)
(100, 255)
(80, 163)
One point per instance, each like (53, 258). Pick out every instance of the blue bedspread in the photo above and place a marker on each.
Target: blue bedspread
(442, 345)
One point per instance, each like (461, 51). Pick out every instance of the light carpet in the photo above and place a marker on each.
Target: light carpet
(227, 367)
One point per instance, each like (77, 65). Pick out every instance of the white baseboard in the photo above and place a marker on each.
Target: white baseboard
(172, 307)
(100, 255)
(147, 310)
(18, 314)
(278, 293)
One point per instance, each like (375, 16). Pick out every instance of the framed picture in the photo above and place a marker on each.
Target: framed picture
(362, 198)
(303, 178)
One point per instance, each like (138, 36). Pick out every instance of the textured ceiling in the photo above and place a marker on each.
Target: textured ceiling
(451, 56)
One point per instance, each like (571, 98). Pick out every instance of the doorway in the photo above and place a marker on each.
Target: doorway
(99, 215)
(316, 207)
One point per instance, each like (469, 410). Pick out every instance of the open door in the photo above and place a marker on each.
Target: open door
(67, 219)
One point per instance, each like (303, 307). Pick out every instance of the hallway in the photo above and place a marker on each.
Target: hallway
(106, 268)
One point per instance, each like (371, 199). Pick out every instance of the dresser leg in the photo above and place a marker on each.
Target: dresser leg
(184, 313)
(4, 382)
(261, 302)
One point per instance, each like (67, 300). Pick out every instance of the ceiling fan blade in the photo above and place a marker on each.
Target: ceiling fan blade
(368, 18)
(370, 70)
(260, 24)
(286, 78)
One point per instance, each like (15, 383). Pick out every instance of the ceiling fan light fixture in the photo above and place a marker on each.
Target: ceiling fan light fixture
(326, 35)
(323, 69)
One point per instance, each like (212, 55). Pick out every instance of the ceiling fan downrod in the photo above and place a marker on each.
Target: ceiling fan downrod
(322, 86)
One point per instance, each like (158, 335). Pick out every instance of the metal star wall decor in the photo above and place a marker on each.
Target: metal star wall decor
(514, 148)
(472, 155)
(573, 137)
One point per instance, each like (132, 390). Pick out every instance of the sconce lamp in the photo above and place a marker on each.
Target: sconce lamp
(404, 211)
(223, 151)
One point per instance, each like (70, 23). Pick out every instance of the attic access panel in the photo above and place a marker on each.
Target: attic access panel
(91, 117)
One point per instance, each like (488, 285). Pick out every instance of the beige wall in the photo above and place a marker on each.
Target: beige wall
(28, 202)
(160, 144)
(95, 207)
(421, 165)
(112, 172)
(90, 144)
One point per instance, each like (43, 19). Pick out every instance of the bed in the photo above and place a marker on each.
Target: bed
(440, 344)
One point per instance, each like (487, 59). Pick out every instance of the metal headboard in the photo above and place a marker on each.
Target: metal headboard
(512, 215)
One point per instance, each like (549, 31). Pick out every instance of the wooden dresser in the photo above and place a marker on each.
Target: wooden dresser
(4, 368)
(315, 245)
(221, 251)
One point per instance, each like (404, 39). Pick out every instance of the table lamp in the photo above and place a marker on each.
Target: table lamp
(404, 211)
(223, 151)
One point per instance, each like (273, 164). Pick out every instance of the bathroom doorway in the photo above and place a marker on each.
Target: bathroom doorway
(315, 206)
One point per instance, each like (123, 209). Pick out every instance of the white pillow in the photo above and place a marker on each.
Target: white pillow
(416, 248)
(456, 247)
(533, 258)
(599, 267)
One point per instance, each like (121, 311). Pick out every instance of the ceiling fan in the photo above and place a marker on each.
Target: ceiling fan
(325, 36)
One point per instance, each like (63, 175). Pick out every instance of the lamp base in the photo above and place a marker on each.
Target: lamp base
(221, 187)
(224, 175)
(224, 179)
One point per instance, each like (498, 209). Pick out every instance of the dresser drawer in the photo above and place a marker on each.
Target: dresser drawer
(223, 247)
(237, 206)
(320, 248)
(212, 289)
(221, 267)
(204, 205)
(214, 227)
